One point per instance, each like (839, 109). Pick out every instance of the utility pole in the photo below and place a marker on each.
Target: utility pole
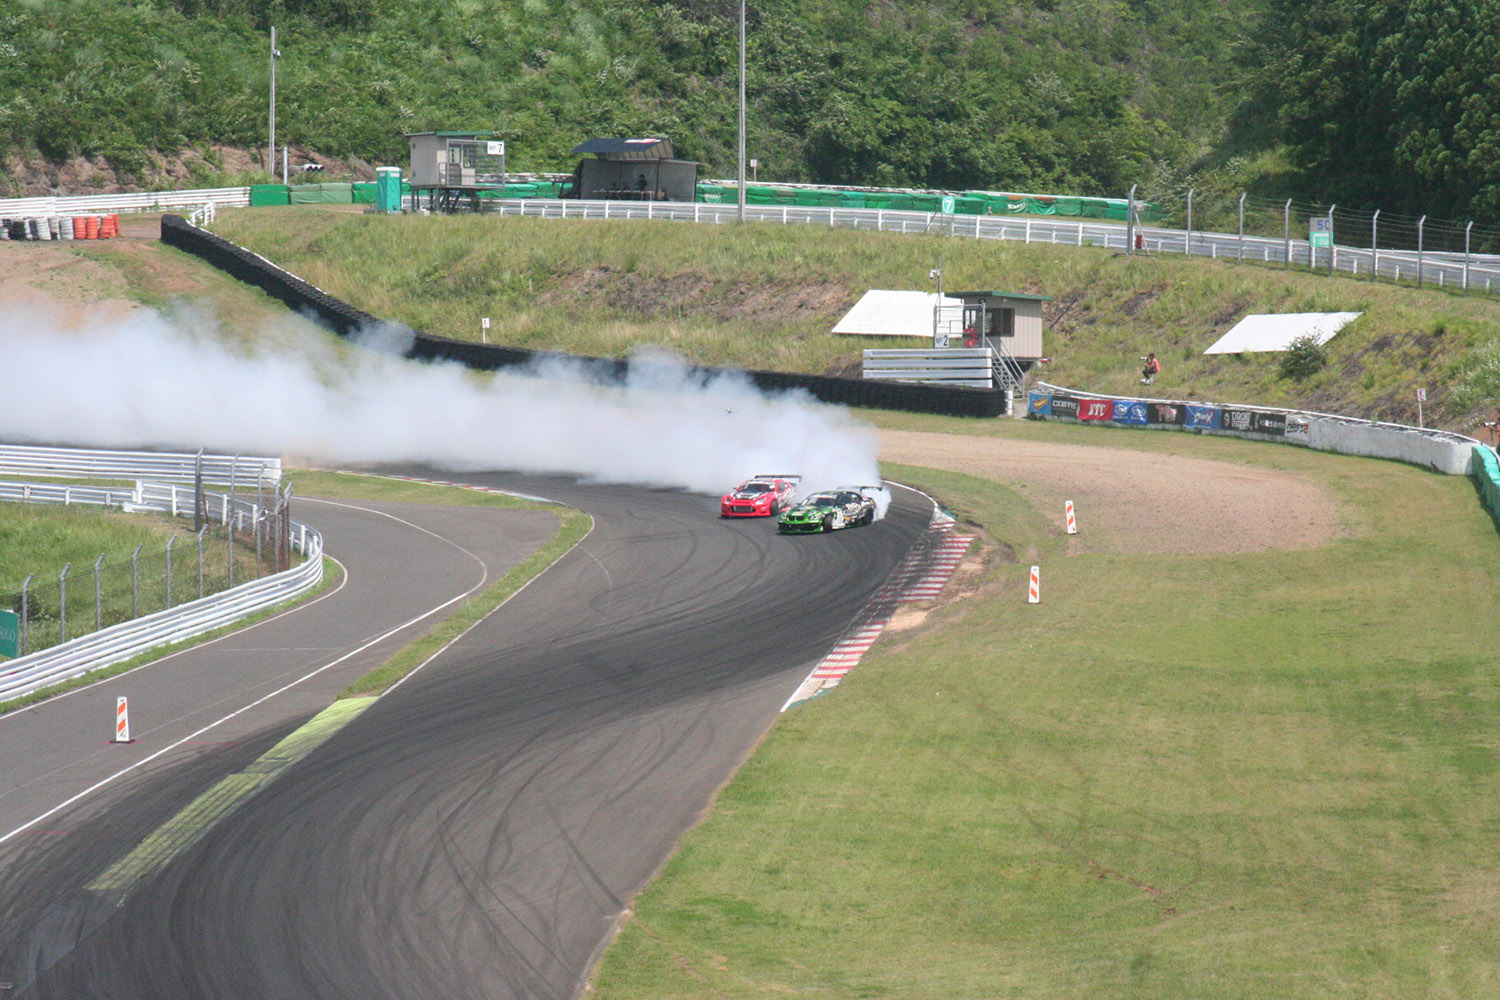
(271, 147)
(741, 214)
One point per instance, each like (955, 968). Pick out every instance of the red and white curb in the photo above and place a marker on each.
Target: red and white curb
(915, 578)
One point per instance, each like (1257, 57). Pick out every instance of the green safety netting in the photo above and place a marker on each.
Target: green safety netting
(1485, 468)
(269, 194)
(322, 194)
(971, 203)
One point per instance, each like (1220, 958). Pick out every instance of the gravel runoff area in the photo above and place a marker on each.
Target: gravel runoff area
(1131, 501)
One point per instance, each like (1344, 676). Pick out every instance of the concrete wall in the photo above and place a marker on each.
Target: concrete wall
(1436, 450)
(1441, 451)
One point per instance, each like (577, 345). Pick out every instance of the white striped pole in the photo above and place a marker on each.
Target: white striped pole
(122, 720)
(1034, 592)
(1072, 522)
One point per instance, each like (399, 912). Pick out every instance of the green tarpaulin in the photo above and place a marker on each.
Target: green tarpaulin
(322, 194)
(269, 194)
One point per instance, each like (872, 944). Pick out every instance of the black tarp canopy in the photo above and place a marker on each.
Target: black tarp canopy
(627, 149)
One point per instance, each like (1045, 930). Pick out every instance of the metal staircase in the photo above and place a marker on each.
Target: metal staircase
(1006, 370)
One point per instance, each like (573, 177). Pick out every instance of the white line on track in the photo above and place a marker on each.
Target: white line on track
(111, 779)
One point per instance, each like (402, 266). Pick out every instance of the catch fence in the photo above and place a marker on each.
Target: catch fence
(236, 540)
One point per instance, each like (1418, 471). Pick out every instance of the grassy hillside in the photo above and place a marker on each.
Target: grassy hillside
(1073, 95)
(767, 296)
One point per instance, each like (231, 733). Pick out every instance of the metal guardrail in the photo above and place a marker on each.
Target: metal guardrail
(121, 642)
(68, 496)
(239, 471)
(76, 657)
(146, 201)
(1475, 272)
(971, 366)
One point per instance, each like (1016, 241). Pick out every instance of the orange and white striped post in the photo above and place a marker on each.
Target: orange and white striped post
(122, 720)
(1034, 592)
(1072, 521)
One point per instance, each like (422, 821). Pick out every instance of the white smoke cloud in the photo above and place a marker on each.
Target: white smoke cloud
(145, 381)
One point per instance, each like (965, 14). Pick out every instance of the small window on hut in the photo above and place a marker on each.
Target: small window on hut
(1002, 322)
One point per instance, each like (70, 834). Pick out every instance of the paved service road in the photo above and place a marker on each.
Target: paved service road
(476, 832)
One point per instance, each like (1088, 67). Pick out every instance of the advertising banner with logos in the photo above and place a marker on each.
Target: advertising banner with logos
(1166, 413)
(1439, 450)
(1131, 411)
(1065, 406)
(1096, 409)
(1202, 418)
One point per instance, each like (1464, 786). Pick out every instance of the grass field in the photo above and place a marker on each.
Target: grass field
(42, 541)
(1269, 775)
(766, 296)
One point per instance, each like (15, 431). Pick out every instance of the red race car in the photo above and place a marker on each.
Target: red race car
(762, 496)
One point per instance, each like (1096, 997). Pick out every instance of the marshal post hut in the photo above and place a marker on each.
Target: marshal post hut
(1012, 321)
(633, 170)
(454, 167)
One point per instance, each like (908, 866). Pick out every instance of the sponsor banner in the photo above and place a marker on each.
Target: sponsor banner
(1298, 431)
(1202, 418)
(1253, 421)
(1039, 405)
(1095, 409)
(1130, 411)
(1166, 413)
(1236, 420)
(1270, 423)
(1064, 406)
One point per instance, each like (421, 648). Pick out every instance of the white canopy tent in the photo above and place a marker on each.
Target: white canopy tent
(882, 313)
(1275, 332)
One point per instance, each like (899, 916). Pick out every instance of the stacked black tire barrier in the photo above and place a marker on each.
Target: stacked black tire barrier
(345, 320)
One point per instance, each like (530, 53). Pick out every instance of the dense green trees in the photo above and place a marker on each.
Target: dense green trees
(1388, 103)
(955, 93)
(1392, 103)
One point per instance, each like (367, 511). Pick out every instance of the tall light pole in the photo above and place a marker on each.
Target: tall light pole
(271, 149)
(741, 214)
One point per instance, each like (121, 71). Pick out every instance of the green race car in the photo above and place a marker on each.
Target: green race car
(830, 510)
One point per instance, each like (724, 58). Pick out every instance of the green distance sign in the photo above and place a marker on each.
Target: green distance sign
(10, 634)
(1320, 232)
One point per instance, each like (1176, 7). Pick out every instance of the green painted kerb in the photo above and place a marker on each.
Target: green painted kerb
(187, 827)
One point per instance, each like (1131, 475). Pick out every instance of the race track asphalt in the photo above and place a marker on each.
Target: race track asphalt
(476, 832)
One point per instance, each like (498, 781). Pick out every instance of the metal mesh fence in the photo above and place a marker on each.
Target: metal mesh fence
(1221, 211)
(241, 539)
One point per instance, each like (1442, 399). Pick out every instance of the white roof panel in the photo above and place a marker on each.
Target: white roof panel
(1276, 331)
(882, 313)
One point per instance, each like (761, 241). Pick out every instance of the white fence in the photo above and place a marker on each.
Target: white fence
(76, 657)
(239, 471)
(146, 201)
(1476, 271)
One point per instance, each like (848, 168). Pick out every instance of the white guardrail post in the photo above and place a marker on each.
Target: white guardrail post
(75, 657)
